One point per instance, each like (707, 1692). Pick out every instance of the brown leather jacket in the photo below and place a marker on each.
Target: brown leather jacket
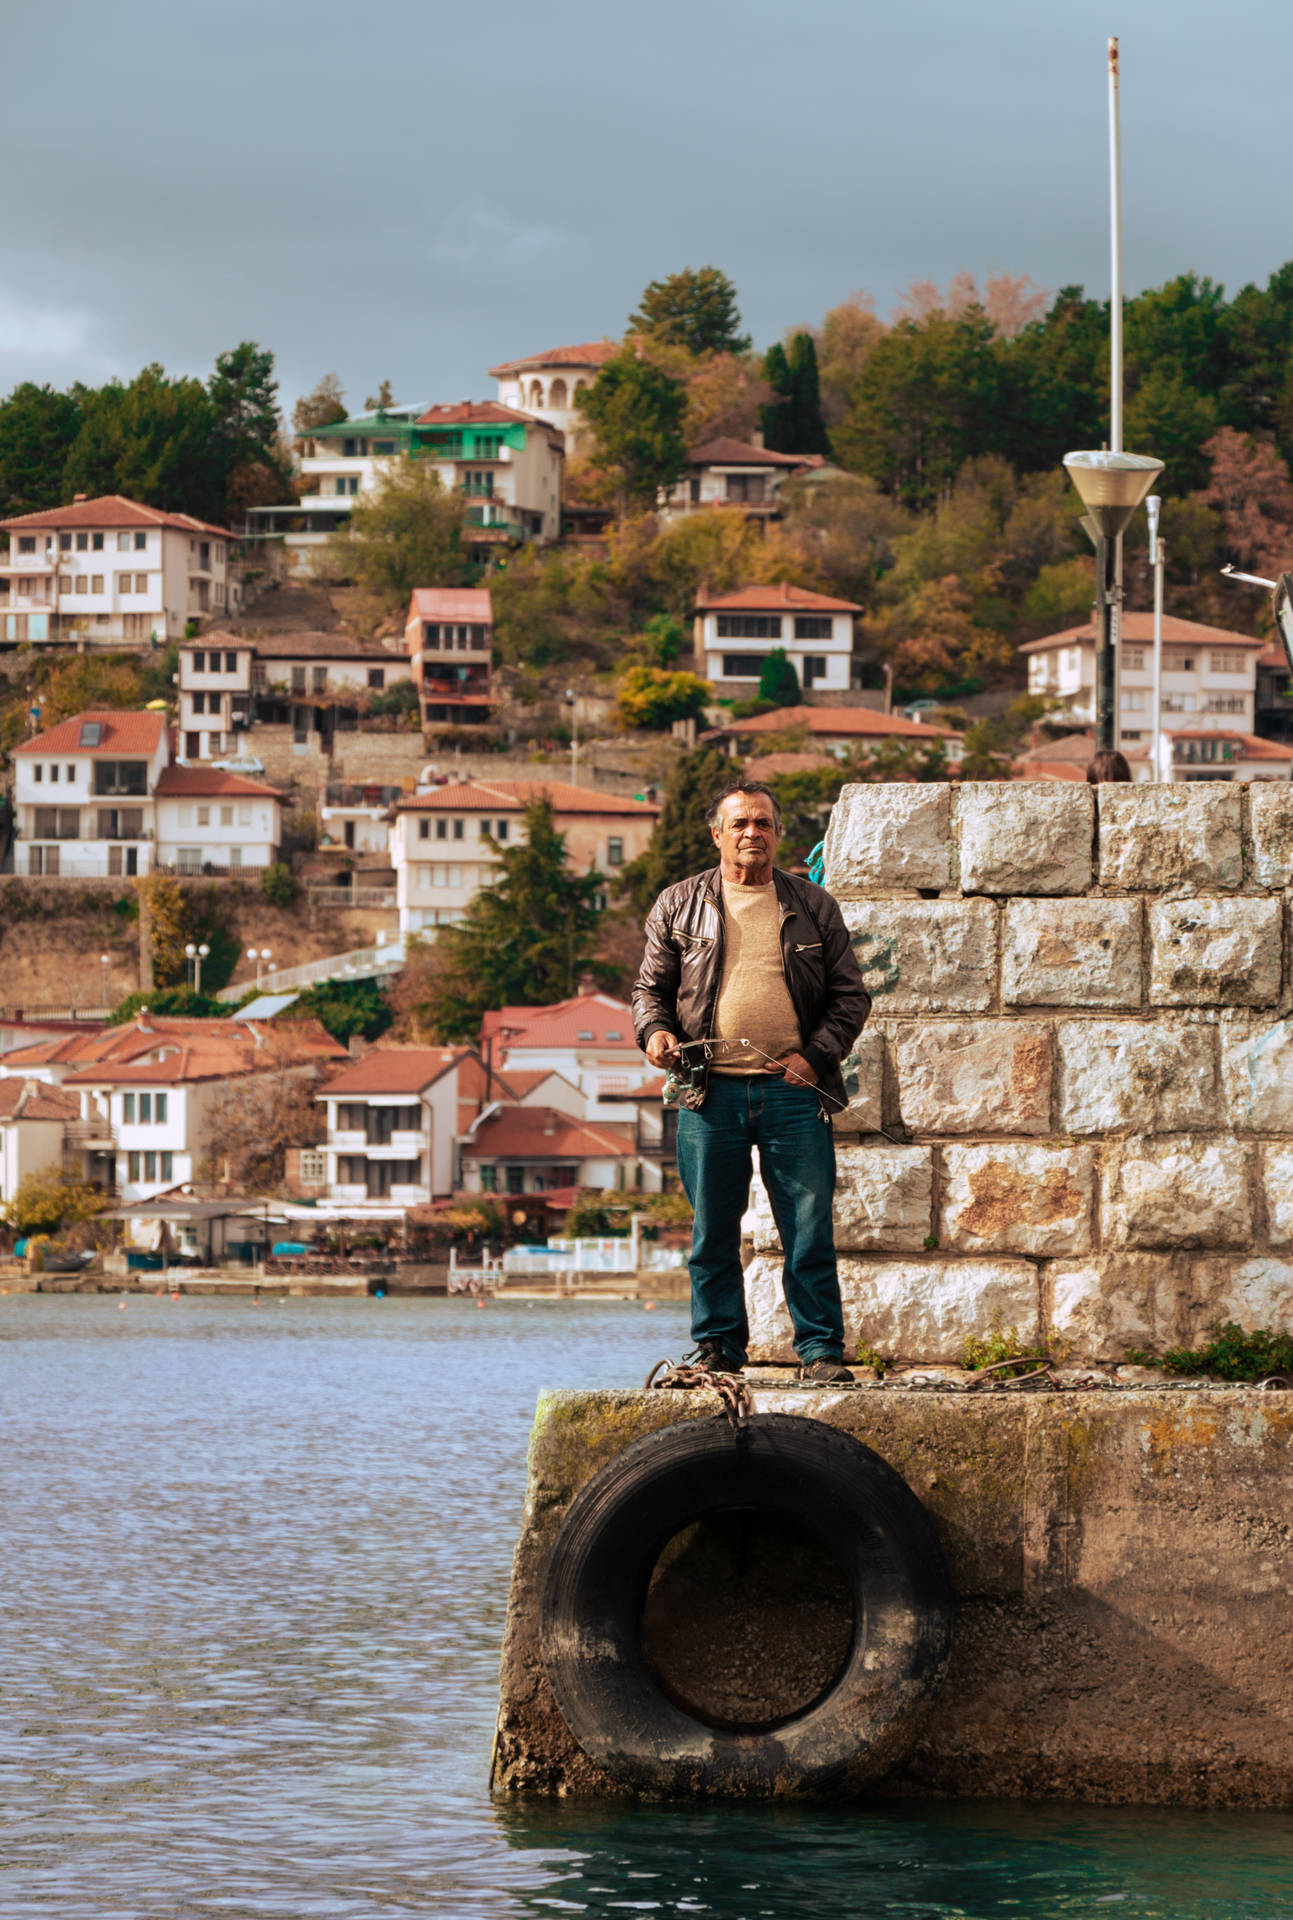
(678, 981)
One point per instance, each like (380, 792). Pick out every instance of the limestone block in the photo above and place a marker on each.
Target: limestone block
(1136, 1076)
(925, 956)
(1254, 1292)
(1071, 953)
(1178, 1191)
(1095, 1309)
(884, 1198)
(1025, 836)
(1178, 838)
(1277, 1181)
(905, 1309)
(863, 1071)
(1017, 1199)
(1271, 817)
(1215, 953)
(889, 837)
(1257, 1072)
(973, 1076)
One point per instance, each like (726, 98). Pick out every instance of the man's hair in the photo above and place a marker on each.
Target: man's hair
(743, 786)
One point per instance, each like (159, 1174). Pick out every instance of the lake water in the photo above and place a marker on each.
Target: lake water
(253, 1573)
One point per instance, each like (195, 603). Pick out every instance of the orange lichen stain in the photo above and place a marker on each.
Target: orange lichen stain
(1172, 1432)
(1000, 1197)
(1030, 1072)
(1053, 951)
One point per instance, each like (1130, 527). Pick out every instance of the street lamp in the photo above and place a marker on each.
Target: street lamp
(196, 955)
(1158, 561)
(104, 961)
(574, 737)
(1112, 486)
(260, 955)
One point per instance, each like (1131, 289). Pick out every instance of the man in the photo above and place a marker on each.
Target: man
(756, 963)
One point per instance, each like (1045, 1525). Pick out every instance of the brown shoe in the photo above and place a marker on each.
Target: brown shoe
(826, 1373)
(710, 1358)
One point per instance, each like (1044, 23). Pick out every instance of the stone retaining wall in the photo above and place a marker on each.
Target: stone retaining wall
(1081, 1053)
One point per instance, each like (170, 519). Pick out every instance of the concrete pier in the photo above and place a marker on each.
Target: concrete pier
(1121, 1564)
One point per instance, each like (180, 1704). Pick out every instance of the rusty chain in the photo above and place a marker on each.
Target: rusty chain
(730, 1388)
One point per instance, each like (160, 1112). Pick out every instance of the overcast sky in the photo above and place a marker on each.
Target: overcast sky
(417, 189)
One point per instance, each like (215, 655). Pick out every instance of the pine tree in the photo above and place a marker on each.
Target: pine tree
(695, 309)
(778, 681)
(523, 941)
(794, 423)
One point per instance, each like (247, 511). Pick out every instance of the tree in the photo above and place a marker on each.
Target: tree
(252, 1121)
(778, 681)
(168, 1000)
(653, 698)
(178, 917)
(153, 440)
(348, 1007)
(44, 1202)
(726, 396)
(1250, 488)
(407, 533)
(794, 422)
(385, 397)
(246, 426)
(841, 534)
(38, 427)
(322, 406)
(695, 309)
(523, 941)
(636, 411)
(682, 843)
(844, 343)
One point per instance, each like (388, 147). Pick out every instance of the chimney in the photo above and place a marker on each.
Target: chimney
(586, 984)
(756, 437)
(77, 499)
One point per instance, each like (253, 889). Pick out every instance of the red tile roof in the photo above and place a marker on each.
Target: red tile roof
(478, 413)
(513, 796)
(33, 1100)
(319, 646)
(726, 452)
(173, 782)
(780, 598)
(123, 732)
(1254, 746)
(595, 1015)
(766, 763)
(858, 723)
(396, 1070)
(113, 510)
(452, 603)
(1139, 627)
(196, 1049)
(593, 353)
(541, 1133)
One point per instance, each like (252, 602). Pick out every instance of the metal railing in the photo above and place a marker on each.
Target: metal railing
(339, 899)
(360, 963)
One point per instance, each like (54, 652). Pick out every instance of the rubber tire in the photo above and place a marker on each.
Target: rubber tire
(601, 1563)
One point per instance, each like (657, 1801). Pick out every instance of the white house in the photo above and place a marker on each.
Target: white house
(33, 1117)
(111, 570)
(1209, 677)
(548, 385)
(393, 1121)
(735, 633)
(214, 694)
(531, 1150)
(740, 475)
(440, 839)
(84, 795)
(210, 821)
(838, 731)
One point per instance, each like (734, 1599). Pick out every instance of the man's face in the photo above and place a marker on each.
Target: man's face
(746, 834)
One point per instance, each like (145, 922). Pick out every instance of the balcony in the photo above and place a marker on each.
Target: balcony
(94, 1135)
(348, 1140)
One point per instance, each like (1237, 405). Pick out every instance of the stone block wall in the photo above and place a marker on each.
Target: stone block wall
(1071, 1112)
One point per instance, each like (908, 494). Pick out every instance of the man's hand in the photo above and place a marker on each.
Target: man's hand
(796, 1070)
(661, 1048)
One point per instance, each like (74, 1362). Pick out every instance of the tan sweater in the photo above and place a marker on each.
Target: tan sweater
(753, 999)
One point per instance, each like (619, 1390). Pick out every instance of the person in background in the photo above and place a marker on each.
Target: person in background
(757, 964)
(1107, 765)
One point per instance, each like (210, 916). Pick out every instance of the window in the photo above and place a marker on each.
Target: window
(1177, 662)
(168, 1165)
(377, 677)
(431, 637)
(120, 776)
(352, 1116)
(457, 829)
(159, 1108)
(751, 487)
(1225, 703)
(230, 662)
(226, 816)
(65, 583)
(424, 829)
(53, 772)
(614, 852)
(1133, 659)
(145, 1109)
(313, 1167)
(814, 668)
(132, 1162)
(58, 823)
(150, 1164)
(69, 774)
(91, 733)
(812, 626)
(199, 702)
(141, 583)
(502, 830)
(189, 859)
(244, 813)
(96, 583)
(298, 679)
(96, 543)
(749, 626)
(442, 829)
(320, 678)
(120, 823)
(123, 543)
(489, 1179)
(204, 816)
(27, 543)
(124, 582)
(141, 542)
(743, 666)
(1227, 661)
(1134, 699)
(235, 858)
(83, 543)
(383, 449)
(515, 1179)
(127, 1109)
(65, 543)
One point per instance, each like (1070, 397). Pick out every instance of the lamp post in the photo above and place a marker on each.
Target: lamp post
(260, 955)
(574, 737)
(196, 955)
(1158, 561)
(104, 961)
(1112, 486)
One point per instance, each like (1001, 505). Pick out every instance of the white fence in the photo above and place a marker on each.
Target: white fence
(361, 963)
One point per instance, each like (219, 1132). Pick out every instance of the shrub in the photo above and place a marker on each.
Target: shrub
(279, 885)
(44, 1202)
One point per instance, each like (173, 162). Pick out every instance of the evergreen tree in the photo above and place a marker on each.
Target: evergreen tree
(695, 309)
(794, 422)
(523, 941)
(245, 427)
(636, 411)
(682, 843)
(37, 429)
(153, 440)
(778, 681)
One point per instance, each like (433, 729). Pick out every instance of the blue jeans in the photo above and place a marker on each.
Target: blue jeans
(797, 1161)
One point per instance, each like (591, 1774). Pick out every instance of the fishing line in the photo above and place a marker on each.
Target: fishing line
(707, 1047)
